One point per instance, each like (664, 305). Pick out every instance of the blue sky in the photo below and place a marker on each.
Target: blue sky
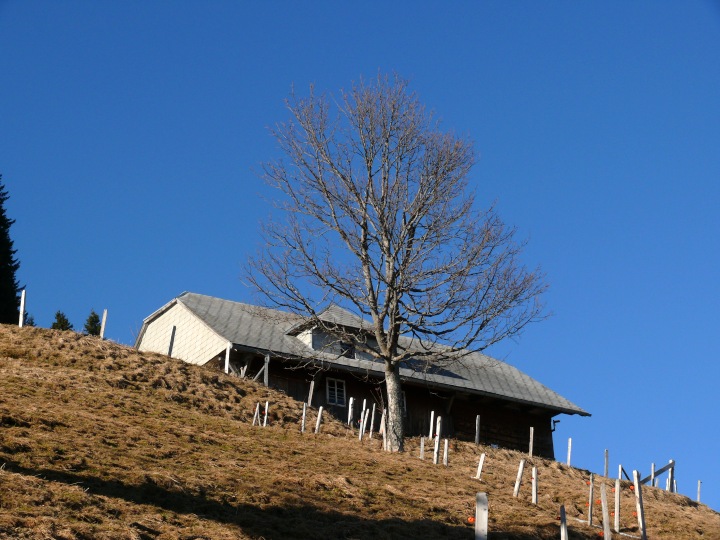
(130, 133)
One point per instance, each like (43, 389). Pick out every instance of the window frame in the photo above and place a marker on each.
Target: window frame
(337, 383)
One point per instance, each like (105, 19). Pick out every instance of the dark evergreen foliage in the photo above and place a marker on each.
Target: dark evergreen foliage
(61, 322)
(9, 288)
(92, 324)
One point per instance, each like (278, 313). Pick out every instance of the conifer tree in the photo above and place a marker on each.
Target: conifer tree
(92, 324)
(61, 322)
(9, 288)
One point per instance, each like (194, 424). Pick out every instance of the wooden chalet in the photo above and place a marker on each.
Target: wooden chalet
(277, 348)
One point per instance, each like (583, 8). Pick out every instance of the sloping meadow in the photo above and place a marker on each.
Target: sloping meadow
(98, 441)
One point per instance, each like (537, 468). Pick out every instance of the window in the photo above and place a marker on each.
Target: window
(335, 392)
(347, 349)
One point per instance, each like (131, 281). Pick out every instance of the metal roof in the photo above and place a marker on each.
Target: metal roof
(268, 330)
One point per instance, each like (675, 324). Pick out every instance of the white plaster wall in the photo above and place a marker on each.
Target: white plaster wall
(194, 341)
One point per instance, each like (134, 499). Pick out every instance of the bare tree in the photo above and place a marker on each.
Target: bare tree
(378, 217)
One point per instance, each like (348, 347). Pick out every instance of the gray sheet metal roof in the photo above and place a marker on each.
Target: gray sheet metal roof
(266, 330)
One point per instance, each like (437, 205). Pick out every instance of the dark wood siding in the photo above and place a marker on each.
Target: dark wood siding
(502, 423)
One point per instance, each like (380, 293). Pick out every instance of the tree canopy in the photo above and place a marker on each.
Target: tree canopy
(379, 216)
(92, 324)
(9, 288)
(61, 322)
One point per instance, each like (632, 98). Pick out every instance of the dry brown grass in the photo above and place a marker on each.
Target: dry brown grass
(98, 441)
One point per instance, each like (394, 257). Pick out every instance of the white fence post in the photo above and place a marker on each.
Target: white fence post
(22, 309)
(445, 454)
(607, 463)
(477, 430)
(639, 505)
(519, 478)
(481, 516)
(534, 486)
(256, 416)
(361, 427)
(372, 422)
(432, 424)
(563, 524)
(605, 512)
(569, 450)
(350, 411)
(102, 325)
(532, 437)
(267, 407)
(698, 493)
(422, 447)
(480, 466)
(302, 426)
(227, 357)
(591, 502)
(319, 419)
(617, 505)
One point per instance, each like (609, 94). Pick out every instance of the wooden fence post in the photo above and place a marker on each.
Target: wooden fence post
(481, 516)
(563, 524)
(477, 430)
(617, 505)
(607, 463)
(532, 437)
(102, 324)
(652, 475)
(519, 478)
(266, 374)
(639, 505)
(350, 411)
(605, 512)
(302, 426)
(534, 485)
(422, 448)
(22, 307)
(480, 465)
(445, 454)
(319, 419)
(312, 391)
(361, 427)
(590, 499)
(569, 450)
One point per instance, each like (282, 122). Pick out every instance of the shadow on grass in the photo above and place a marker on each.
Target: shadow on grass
(270, 522)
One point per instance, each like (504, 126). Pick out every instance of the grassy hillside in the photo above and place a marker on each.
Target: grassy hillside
(98, 441)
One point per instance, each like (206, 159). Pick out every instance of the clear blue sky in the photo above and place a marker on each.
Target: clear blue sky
(129, 132)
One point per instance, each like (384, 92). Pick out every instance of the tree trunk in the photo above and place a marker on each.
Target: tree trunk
(395, 417)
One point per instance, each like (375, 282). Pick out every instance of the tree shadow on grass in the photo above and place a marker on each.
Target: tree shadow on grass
(304, 521)
(269, 522)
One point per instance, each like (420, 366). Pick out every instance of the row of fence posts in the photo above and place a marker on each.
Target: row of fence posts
(481, 508)
(481, 503)
(21, 320)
